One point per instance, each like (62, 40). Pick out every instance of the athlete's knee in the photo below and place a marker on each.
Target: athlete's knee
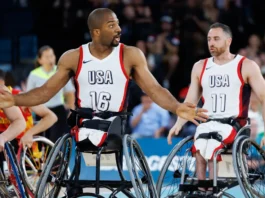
(199, 158)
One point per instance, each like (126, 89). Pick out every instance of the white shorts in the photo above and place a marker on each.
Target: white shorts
(96, 137)
(207, 147)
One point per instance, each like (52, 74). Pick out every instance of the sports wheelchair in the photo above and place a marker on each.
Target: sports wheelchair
(62, 179)
(243, 164)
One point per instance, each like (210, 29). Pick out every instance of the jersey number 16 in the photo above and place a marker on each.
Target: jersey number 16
(100, 101)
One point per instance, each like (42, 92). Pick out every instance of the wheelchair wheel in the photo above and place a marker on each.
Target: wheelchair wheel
(138, 168)
(237, 164)
(56, 170)
(15, 176)
(32, 160)
(170, 175)
(250, 168)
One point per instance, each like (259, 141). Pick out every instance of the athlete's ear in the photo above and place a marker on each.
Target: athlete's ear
(229, 41)
(96, 32)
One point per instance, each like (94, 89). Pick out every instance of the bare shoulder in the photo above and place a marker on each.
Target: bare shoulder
(249, 64)
(250, 70)
(133, 53)
(198, 67)
(69, 59)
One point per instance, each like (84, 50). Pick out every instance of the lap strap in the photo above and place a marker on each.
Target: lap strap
(102, 125)
(211, 135)
(236, 123)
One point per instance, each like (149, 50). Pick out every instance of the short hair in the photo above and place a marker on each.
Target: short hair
(95, 18)
(224, 27)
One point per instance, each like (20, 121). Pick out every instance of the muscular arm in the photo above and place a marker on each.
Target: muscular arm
(193, 96)
(147, 82)
(194, 92)
(251, 72)
(17, 124)
(66, 65)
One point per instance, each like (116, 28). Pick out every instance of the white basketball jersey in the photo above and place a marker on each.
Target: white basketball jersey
(224, 92)
(101, 84)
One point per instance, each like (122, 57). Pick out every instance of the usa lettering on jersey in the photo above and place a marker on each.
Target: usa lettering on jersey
(100, 77)
(218, 81)
(101, 84)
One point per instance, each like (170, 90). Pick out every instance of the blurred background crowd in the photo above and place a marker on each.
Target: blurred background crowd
(171, 33)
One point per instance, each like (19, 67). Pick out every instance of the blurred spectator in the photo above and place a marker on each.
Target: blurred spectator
(254, 46)
(167, 45)
(128, 25)
(211, 13)
(149, 120)
(143, 19)
(62, 101)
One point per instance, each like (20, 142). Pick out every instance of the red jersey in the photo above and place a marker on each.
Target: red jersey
(4, 121)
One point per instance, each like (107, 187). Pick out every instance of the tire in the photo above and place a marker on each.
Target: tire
(56, 168)
(32, 162)
(133, 153)
(164, 189)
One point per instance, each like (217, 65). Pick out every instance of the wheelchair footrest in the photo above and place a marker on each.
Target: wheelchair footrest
(201, 184)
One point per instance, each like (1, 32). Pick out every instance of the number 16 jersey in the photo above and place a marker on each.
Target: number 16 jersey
(224, 91)
(101, 84)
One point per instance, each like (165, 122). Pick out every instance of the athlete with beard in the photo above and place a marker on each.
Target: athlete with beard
(101, 70)
(224, 81)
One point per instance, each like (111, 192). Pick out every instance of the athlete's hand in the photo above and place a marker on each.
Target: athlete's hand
(6, 98)
(173, 131)
(262, 143)
(189, 112)
(2, 142)
(27, 140)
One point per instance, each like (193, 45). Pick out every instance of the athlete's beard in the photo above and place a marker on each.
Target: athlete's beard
(217, 51)
(113, 44)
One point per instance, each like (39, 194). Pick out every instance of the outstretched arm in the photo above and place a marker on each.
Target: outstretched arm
(193, 97)
(159, 95)
(40, 95)
(148, 83)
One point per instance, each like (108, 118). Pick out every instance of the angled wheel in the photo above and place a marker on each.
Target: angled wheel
(32, 160)
(250, 168)
(140, 174)
(252, 163)
(170, 175)
(51, 182)
(15, 177)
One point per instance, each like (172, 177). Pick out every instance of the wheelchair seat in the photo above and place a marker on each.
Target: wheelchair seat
(113, 143)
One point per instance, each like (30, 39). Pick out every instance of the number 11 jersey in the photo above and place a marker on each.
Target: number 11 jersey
(224, 92)
(101, 84)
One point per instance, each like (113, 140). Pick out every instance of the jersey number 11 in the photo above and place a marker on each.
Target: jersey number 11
(216, 101)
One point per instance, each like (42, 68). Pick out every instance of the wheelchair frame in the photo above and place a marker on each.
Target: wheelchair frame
(76, 185)
(219, 185)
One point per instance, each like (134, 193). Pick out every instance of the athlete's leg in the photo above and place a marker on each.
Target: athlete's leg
(200, 166)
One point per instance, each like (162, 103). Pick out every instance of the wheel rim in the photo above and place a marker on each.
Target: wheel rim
(34, 160)
(169, 179)
(253, 168)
